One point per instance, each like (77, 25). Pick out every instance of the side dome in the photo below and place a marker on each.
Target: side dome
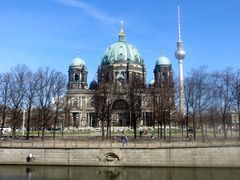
(163, 60)
(93, 85)
(152, 82)
(76, 62)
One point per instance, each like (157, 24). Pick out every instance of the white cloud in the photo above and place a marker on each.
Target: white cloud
(89, 9)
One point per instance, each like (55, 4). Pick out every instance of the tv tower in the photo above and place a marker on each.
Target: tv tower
(180, 55)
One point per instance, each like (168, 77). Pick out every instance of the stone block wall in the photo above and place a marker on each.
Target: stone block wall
(158, 157)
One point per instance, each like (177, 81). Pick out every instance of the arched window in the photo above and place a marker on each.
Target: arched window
(75, 103)
(76, 77)
(120, 56)
(164, 77)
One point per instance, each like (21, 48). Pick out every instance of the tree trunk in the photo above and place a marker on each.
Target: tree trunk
(28, 122)
(224, 128)
(161, 133)
(170, 130)
(164, 129)
(239, 123)
(135, 126)
(182, 122)
(206, 128)
(107, 133)
(14, 131)
(1, 130)
(194, 128)
(54, 127)
(55, 124)
(42, 132)
(231, 128)
(202, 131)
(187, 124)
(213, 126)
(110, 131)
(3, 122)
(62, 127)
(102, 130)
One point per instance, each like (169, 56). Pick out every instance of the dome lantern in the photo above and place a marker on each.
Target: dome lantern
(121, 51)
(121, 36)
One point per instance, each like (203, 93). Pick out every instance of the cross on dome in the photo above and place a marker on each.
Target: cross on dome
(121, 36)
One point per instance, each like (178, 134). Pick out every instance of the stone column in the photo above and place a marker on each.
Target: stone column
(87, 122)
(81, 102)
(71, 119)
(90, 121)
(80, 119)
(86, 101)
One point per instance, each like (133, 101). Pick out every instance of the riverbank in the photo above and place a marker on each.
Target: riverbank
(187, 154)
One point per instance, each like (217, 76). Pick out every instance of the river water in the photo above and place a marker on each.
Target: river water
(111, 173)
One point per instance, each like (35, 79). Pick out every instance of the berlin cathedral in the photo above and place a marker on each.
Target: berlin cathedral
(120, 62)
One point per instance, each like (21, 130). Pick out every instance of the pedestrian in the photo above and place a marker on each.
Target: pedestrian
(141, 132)
(190, 137)
(126, 139)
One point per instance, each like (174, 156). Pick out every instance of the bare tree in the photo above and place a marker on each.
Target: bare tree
(30, 97)
(190, 95)
(44, 98)
(187, 95)
(16, 96)
(58, 92)
(201, 81)
(223, 83)
(166, 106)
(135, 92)
(213, 108)
(163, 106)
(156, 110)
(197, 97)
(4, 99)
(103, 103)
(236, 94)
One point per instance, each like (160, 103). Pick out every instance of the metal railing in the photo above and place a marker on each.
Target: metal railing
(75, 143)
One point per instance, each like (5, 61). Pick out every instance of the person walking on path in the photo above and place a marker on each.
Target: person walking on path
(125, 140)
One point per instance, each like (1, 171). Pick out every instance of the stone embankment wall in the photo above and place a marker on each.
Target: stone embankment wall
(228, 156)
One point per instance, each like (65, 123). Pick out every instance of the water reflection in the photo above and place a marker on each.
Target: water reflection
(29, 173)
(111, 173)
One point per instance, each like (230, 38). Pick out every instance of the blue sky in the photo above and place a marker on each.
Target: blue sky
(52, 32)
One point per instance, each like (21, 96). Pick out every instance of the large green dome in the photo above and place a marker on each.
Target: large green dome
(121, 52)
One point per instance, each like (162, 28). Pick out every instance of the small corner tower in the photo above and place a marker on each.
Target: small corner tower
(163, 72)
(180, 55)
(77, 74)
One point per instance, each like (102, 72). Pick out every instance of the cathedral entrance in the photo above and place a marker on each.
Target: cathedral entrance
(120, 115)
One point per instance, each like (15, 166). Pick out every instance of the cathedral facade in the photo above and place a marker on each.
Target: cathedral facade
(120, 64)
